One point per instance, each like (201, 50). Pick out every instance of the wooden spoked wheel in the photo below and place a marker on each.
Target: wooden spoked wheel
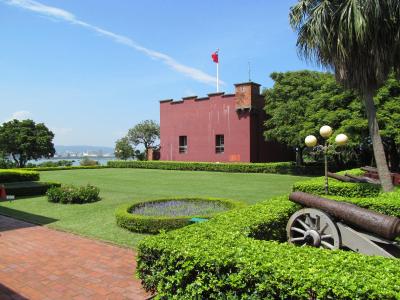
(314, 228)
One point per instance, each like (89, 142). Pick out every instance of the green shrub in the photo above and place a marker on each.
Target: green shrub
(88, 162)
(51, 164)
(12, 175)
(345, 189)
(71, 194)
(278, 167)
(64, 168)
(29, 188)
(154, 224)
(236, 256)
(385, 203)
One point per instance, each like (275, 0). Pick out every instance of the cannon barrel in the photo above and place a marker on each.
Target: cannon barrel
(380, 224)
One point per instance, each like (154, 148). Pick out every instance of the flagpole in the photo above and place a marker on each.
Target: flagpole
(217, 77)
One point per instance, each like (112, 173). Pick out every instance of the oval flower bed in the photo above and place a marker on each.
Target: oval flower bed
(171, 213)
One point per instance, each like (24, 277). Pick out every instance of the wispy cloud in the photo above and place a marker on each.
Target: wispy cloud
(66, 16)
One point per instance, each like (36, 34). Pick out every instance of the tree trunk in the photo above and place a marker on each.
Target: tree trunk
(299, 156)
(379, 153)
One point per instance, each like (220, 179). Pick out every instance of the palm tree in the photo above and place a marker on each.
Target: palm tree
(360, 41)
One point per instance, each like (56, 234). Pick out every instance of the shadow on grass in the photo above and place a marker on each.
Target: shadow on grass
(7, 293)
(13, 222)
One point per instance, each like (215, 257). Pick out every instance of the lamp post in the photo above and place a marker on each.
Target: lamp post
(325, 131)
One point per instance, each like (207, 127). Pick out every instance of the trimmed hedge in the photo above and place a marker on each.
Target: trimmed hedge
(155, 224)
(12, 175)
(338, 188)
(219, 259)
(29, 188)
(73, 195)
(64, 168)
(385, 203)
(278, 167)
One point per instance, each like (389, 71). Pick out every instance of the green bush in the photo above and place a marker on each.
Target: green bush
(71, 194)
(29, 188)
(385, 203)
(9, 175)
(88, 162)
(51, 164)
(154, 224)
(236, 256)
(345, 189)
(278, 167)
(64, 168)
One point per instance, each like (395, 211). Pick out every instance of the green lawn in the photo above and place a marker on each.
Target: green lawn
(119, 186)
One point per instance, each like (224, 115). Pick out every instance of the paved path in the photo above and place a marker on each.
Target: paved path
(40, 263)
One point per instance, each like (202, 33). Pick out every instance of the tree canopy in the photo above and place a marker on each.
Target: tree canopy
(301, 102)
(146, 132)
(25, 140)
(123, 149)
(360, 41)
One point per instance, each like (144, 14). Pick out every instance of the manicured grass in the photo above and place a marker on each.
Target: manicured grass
(118, 186)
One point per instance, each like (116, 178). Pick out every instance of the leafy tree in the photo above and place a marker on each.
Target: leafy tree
(360, 41)
(388, 99)
(123, 149)
(146, 133)
(25, 140)
(300, 103)
(140, 155)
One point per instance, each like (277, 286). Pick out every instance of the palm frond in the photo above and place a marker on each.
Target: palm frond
(358, 39)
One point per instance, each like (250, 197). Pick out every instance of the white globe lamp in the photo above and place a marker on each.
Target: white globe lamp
(325, 131)
(341, 139)
(310, 141)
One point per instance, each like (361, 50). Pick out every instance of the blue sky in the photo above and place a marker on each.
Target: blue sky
(92, 69)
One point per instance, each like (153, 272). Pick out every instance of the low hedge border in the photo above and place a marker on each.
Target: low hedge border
(338, 188)
(218, 259)
(155, 224)
(64, 168)
(29, 188)
(277, 167)
(11, 175)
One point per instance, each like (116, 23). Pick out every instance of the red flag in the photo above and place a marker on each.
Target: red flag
(214, 57)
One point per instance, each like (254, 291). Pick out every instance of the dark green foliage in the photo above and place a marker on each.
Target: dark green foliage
(385, 203)
(6, 163)
(65, 168)
(146, 133)
(279, 167)
(123, 149)
(51, 164)
(233, 257)
(360, 41)
(88, 162)
(338, 188)
(29, 188)
(154, 224)
(7, 175)
(300, 103)
(25, 140)
(344, 189)
(72, 194)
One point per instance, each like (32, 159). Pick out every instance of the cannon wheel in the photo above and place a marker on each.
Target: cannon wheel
(313, 227)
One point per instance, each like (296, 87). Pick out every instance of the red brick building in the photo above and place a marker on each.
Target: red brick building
(218, 128)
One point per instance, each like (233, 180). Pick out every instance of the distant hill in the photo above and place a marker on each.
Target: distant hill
(83, 148)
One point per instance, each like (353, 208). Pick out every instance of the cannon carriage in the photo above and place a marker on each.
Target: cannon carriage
(330, 224)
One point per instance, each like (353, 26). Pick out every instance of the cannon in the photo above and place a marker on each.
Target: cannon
(330, 224)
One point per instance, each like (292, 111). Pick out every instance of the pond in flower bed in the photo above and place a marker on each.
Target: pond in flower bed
(175, 208)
